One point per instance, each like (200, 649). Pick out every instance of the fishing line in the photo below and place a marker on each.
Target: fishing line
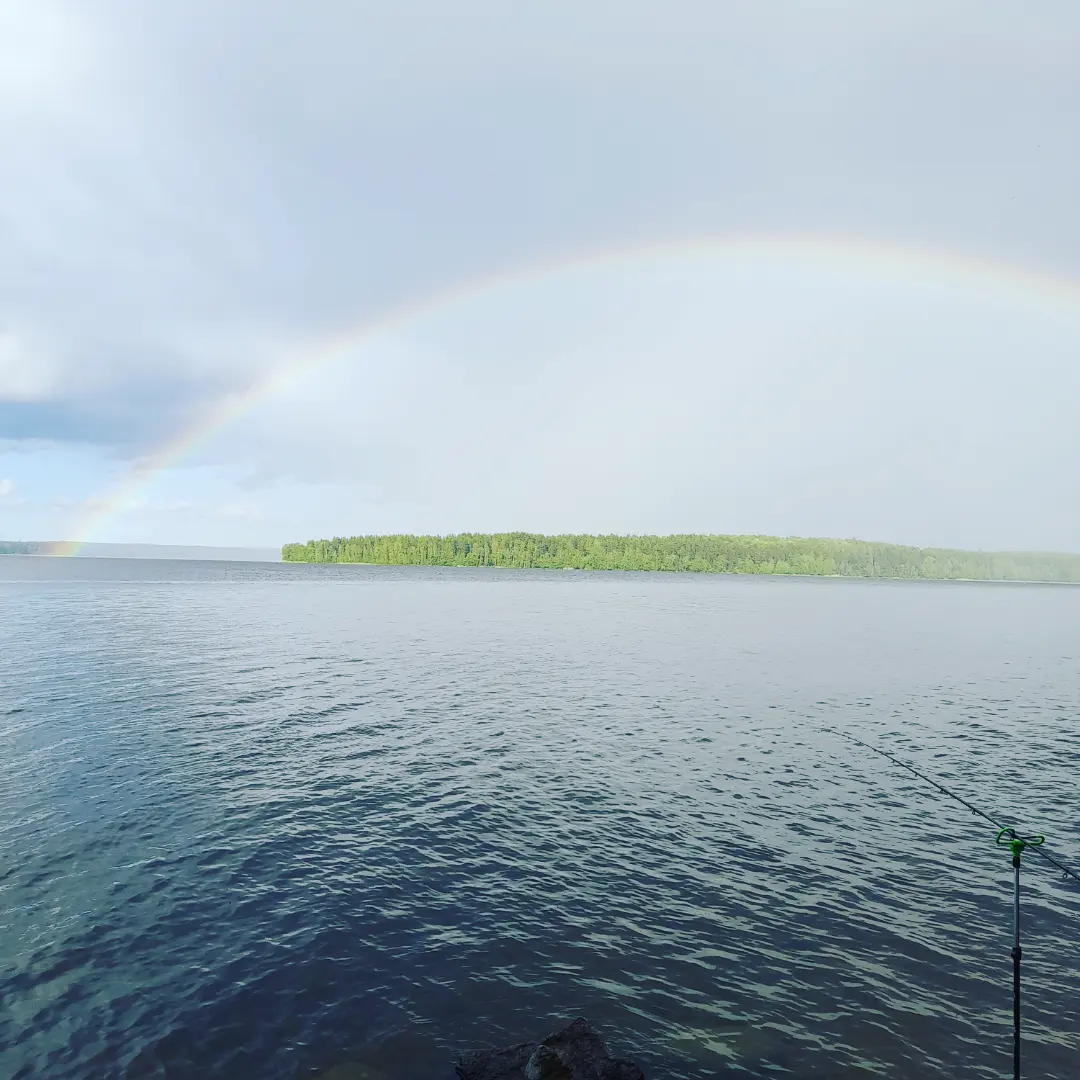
(1003, 830)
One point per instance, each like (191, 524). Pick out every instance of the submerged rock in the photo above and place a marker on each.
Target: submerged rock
(575, 1053)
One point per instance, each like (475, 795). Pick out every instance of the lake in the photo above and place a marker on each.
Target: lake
(266, 820)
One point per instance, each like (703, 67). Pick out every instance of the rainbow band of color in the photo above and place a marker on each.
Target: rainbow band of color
(922, 262)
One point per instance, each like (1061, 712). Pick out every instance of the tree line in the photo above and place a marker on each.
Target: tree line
(689, 552)
(17, 547)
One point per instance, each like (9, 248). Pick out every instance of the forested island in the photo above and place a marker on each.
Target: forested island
(689, 552)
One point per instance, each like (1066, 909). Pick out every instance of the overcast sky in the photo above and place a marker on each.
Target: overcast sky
(194, 195)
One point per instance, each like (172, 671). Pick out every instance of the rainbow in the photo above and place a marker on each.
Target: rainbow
(922, 264)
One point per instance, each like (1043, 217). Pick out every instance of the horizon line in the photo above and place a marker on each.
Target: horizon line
(63, 547)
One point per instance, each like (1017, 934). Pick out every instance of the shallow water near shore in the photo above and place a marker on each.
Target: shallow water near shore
(273, 820)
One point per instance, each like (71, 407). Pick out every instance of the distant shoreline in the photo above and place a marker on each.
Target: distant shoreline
(56, 549)
(700, 553)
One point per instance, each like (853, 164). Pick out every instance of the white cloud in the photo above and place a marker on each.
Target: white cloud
(7, 487)
(45, 54)
(26, 373)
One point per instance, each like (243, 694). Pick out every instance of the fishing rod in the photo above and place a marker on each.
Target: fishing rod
(1006, 837)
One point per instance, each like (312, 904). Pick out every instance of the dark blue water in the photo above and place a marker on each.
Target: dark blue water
(263, 820)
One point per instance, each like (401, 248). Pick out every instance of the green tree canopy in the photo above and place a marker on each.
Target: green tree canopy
(689, 552)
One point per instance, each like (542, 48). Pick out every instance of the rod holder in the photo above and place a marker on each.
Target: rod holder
(1016, 843)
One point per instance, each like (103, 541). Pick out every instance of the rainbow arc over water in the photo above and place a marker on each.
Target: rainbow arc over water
(858, 256)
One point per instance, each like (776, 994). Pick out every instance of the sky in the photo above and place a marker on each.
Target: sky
(271, 271)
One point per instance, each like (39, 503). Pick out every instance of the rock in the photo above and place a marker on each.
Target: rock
(574, 1053)
(545, 1064)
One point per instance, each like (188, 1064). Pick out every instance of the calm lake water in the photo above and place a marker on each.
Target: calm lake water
(259, 821)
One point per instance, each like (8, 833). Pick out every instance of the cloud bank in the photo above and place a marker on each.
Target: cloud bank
(193, 192)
